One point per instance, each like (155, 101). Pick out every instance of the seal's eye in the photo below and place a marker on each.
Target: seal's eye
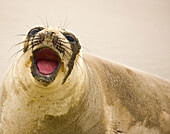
(70, 38)
(35, 30)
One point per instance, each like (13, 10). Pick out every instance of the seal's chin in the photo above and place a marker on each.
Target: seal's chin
(45, 65)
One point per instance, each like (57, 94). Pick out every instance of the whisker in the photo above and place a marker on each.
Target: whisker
(20, 51)
(65, 46)
(34, 40)
(60, 24)
(46, 21)
(64, 42)
(21, 35)
(84, 60)
(67, 52)
(23, 54)
(65, 22)
(50, 21)
(65, 56)
(86, 48)
(77, 63)
(32, 44)
(28, 26)
(35, 43)
(15, 54)
(80, 56)
(68, 23)
(42, 20)
(18, 44)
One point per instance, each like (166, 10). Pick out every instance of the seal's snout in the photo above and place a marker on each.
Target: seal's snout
(50, 35)
(41, 37)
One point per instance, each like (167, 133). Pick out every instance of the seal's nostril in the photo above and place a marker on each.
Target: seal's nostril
(41, 37)
(55, 40)
(51, 33)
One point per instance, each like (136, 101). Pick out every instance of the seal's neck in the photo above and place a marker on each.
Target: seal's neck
(87, 109)
(67, 105)
(55, 99)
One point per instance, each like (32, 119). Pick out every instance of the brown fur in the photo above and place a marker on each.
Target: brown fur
(137, 99)
(139, 103)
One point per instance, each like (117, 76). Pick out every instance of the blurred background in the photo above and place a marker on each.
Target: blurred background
(131, 32)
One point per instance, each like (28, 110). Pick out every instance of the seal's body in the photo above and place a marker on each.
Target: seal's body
(54, 88)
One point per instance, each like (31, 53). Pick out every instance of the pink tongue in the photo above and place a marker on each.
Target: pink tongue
(46, 66)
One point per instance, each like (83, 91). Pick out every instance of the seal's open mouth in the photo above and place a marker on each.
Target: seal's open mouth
(47, 61)
(45, 65)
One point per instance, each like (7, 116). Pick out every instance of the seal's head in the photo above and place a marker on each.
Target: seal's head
(52, 50)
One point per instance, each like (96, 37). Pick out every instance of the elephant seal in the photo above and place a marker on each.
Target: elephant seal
(55, 88)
